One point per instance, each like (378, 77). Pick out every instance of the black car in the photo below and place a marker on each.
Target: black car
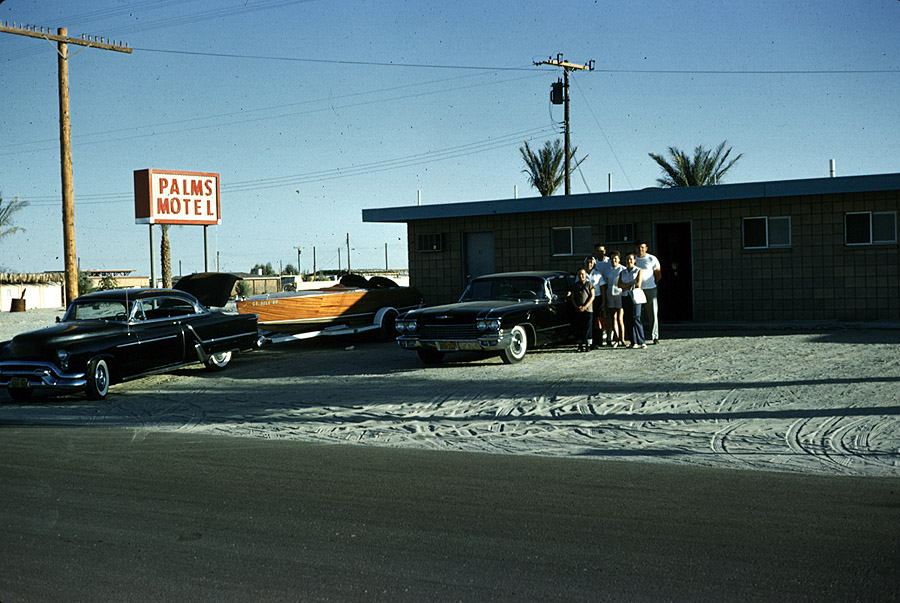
(503, 314)
(111, 336)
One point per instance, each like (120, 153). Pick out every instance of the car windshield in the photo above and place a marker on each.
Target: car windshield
(505, 287)
(97, 310)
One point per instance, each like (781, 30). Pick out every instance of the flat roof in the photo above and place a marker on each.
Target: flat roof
(647, 196)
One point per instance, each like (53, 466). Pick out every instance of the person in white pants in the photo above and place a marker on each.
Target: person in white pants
(652, 273)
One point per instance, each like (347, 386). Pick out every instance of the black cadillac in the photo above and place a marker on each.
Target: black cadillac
(107, 337)
(503, 314)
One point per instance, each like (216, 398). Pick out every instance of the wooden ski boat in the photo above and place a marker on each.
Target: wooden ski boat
(351, 306)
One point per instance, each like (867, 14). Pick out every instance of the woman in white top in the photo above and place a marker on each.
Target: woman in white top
(629, 280)
(614, 301)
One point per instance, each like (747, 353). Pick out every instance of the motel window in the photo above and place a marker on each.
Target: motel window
(570, 240)
(618, 233)
(431, 242)
(767, 232)
(870, 228)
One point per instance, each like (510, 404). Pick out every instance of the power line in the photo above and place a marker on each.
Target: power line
(749, 71)
(337, 61)
(332, 107)
(529, 67)
(334, 173)
(182, 18)
(605, 137)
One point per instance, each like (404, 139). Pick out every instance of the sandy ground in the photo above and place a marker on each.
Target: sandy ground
(785, 398)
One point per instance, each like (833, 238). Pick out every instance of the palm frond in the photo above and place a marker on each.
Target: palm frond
(6, 212)
(704, 168)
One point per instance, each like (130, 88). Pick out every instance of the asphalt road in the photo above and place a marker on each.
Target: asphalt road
(92, 514)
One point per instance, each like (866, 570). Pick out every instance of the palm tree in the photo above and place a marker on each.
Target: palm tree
(706, 167)
(165, 255)
(6, 212)
(545, 169)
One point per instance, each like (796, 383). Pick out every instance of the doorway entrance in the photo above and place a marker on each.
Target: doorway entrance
(673, 246)
(478, 252)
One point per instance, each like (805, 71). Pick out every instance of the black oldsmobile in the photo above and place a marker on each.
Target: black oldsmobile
(503, 314)
(107, 337)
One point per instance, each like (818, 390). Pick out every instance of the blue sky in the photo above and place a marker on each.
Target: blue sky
(313, 110)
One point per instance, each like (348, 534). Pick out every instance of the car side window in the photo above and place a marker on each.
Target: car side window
(168, 307)
(559, 286)
(97, 310)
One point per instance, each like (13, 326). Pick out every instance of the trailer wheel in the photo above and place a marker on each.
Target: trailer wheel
(388, 322)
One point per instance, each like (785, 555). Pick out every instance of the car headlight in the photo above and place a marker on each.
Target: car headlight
(405, 326)
(63, 357)
(488, 324)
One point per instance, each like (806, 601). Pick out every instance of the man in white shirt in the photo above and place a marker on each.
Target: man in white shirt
(602, 323)
(652, 273)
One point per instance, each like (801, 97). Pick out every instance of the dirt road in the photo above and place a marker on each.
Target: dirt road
(812, 400)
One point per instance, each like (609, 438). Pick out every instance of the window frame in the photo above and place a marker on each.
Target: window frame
(584, 231)
(768, 242)
(871, 238)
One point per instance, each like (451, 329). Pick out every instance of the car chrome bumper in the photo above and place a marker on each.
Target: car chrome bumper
(38, 375)
(487, 343)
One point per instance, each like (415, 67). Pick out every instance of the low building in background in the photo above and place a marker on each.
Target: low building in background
(816, 249)
(19, 292)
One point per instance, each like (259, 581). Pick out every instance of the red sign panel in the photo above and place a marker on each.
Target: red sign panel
(173, 197)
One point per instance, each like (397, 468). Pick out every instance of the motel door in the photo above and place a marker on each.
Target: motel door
(672, 245)
(478, 252)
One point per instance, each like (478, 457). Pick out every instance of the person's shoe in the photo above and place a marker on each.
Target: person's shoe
(655, 341)
(643, 346)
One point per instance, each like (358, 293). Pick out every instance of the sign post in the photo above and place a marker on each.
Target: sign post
(176, 197)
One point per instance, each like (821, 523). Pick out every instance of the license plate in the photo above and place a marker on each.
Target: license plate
(446, 345)
(18, 383)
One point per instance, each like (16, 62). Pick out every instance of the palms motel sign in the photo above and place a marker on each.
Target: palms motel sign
(170, 197)
(176, 197)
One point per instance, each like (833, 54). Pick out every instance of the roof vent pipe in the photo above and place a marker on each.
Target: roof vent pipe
(831, 167)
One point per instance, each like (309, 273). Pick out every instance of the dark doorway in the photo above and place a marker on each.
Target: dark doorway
(676, 288)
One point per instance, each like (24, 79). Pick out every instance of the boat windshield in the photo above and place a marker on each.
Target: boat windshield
(505, 287)
(97, 310)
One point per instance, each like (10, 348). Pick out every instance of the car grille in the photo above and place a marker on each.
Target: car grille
(447, 332)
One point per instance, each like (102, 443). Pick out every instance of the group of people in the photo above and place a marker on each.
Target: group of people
(613, 301)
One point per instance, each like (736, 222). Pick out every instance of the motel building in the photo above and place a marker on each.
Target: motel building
(821, 249)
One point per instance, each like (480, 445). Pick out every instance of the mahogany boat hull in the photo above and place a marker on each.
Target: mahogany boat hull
(314, 309)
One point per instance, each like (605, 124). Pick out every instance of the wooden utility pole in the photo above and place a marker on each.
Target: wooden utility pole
(348, 252)
(567, 67)
(65, 134)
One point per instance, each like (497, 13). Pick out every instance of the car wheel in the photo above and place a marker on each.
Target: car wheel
(388, 330)
(97, 379)
(430, 356)
(517, 347)
(20, 395)
(217, 362)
